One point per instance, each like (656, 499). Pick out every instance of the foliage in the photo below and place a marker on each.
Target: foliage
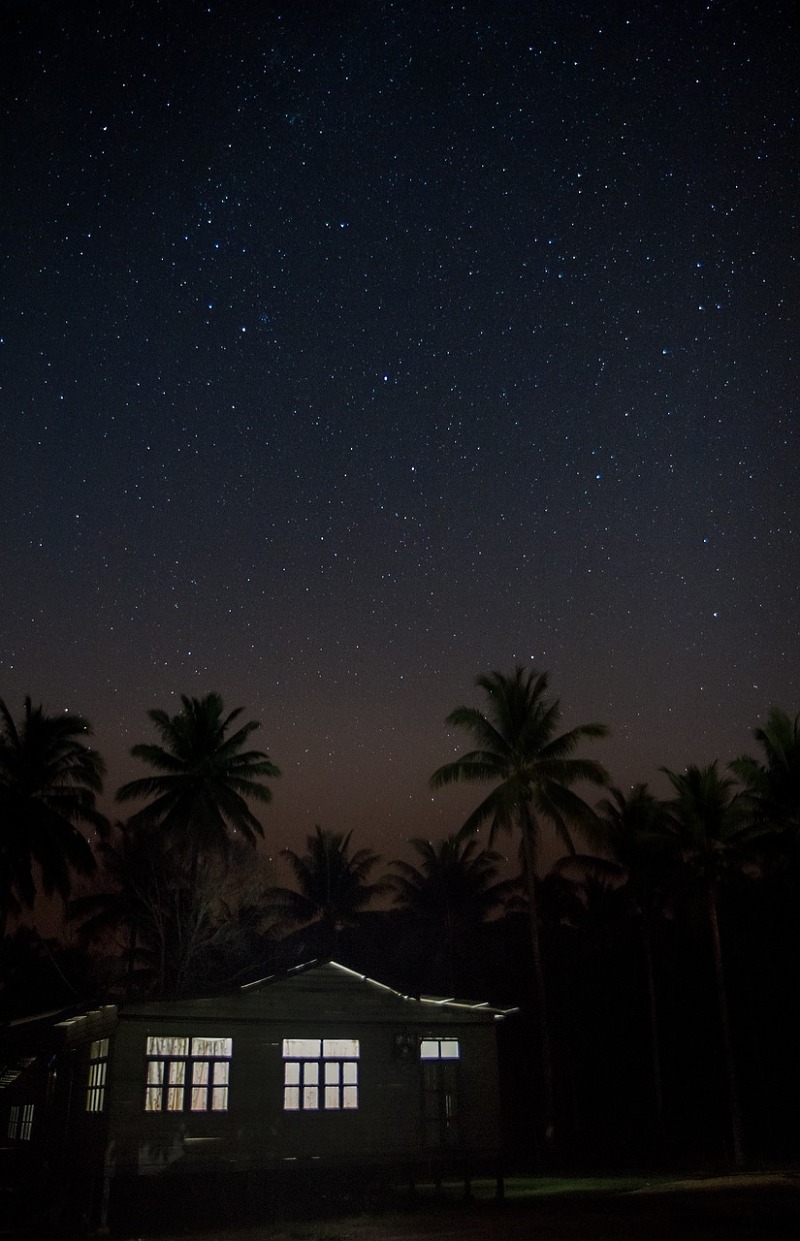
(205, 779)
(452, 891)
(49, 781)
(333, 886)
(533, 769)
(520, 751)
(167, 932)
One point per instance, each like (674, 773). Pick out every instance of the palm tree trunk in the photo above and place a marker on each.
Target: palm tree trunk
(652, 1019)
(540, 991)
(725, 1023)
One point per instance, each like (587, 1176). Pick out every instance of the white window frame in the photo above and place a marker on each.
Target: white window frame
(320, 1075)
(96, 1078)
(187, 1074)
(439, 1049)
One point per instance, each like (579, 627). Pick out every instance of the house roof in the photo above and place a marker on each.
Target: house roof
(317, 990)
(336, 972)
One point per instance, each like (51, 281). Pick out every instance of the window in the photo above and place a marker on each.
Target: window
(320, 1074)
(187, 1074)
(439, 1049)
(96, 1087)
(439, 1060)
(20, 1122)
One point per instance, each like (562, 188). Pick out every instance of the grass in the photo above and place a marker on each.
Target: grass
(755, 1207)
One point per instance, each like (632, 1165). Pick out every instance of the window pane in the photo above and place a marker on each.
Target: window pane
(332, 1073)
(177, 1072)
(291, 1099)
(175, 1099)
(220, 1073)
(199, 1098)
(212, 1046)
(310, 1073)
(350, 1096)
(331, 1097)
(155, 1072)
(350, 1073)
(301, 1048)
(291, 1073)
(341, 1048)
(450, 1049)
(429, 1049)
(169, 1045)
(152, 1099)
(200, 1073)
(219, 1099)
(310, 1098)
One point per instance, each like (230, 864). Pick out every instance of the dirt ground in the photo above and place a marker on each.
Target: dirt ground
(723, 1209)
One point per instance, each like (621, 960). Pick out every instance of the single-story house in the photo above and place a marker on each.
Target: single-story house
(318, 1068)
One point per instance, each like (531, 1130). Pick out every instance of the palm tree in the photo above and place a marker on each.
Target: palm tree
(333, 886)
(533, 769)
(712, 831)
(204, 782)
(452, 892)
(634, 830)
(49, 781)
(774, 784)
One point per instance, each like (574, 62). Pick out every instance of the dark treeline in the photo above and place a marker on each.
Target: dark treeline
(654, 968)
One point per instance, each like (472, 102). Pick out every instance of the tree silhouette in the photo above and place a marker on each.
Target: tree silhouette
(452, 891)
(713, 831)
(333, 886)
(49, 781)
(634, 831)
(533, 769)
(772, 787)
(204, 783)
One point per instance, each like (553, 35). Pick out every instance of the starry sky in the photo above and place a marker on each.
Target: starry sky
(350, 350)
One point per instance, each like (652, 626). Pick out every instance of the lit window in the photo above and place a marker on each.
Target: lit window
(186, 1074)
(96, 1087)
(320, 1074)
(20, 1122)
(439, 1049)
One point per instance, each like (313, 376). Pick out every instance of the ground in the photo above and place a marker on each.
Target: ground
(751, 1208)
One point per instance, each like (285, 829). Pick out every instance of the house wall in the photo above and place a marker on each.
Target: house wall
(83, 1159)
(256, 1132)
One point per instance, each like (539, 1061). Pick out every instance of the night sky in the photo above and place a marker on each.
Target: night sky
(352, 349)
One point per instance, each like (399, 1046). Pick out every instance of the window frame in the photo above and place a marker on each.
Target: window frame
(187, 1076)
(96, 1075)
(321, 1074)
(434, 1048)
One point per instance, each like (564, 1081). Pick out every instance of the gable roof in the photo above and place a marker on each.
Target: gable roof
(317, 990)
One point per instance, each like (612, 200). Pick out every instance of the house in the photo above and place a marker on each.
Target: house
(317, 1069)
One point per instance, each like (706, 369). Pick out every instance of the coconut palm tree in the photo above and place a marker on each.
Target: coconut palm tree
(713, 830)
(333, 886)
(49, 781)
(634, 831)
(774, 784)
(205, 779)
(452, 892)
(533, 769)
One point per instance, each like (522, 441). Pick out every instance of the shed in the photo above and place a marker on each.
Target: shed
(319, 1069)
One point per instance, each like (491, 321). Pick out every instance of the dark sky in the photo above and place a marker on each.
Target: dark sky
(352, 349)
